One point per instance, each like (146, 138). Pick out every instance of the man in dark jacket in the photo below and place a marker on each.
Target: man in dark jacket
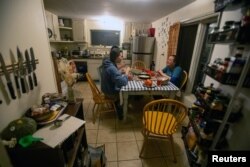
(112, 78)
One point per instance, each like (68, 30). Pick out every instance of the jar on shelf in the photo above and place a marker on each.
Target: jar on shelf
(239, 52)
(213, 34)
(191, 138)
(246, 18)
(217, 105)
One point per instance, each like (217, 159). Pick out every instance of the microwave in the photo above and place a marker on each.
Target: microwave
(80, 53)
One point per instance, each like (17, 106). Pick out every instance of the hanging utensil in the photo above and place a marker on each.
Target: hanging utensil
(16, 73)
(22, 71)
(4, 92)
(29, 67)
(33, 61)
(7, 76)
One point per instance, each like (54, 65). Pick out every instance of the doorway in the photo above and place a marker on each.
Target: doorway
(185, 46)
(193, 49)
(203, 59)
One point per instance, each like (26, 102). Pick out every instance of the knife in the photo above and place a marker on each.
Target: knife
(22, 72)
(33, 61)
(28, 65)
(7, 76)
(4, 92)
(15, 72)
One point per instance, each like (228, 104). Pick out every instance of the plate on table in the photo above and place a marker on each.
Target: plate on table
(135, 71)
(144, 76)
(152, 86)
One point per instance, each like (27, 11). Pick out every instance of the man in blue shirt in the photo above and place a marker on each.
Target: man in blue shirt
(172, 71)
(113, 79)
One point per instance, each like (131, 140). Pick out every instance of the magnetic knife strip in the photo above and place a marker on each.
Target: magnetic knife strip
(10, 67)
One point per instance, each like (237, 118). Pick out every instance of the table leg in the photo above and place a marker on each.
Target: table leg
(172, 95)
(125, 105)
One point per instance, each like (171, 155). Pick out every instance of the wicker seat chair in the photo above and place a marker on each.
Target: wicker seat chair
(161, 118)
(138, 65)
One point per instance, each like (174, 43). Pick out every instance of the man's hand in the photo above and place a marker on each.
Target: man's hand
(127, 70)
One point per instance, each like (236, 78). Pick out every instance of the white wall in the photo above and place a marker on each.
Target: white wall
(23, 25)
(105, 24)
(193, 10)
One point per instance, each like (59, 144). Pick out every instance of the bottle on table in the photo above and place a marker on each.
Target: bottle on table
(152, 66)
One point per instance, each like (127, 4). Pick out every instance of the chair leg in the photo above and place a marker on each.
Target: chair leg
(99, 109)
(172, 145)
(143, 145)
(93, 114)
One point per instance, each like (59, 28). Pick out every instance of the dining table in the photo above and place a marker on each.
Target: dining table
(137, 87)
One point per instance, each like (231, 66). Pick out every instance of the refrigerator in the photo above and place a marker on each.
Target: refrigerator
(143, 49)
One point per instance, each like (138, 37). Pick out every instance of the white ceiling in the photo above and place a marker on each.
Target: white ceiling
(145, 11)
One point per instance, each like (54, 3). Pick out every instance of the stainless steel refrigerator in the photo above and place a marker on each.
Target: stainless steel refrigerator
(143, 49)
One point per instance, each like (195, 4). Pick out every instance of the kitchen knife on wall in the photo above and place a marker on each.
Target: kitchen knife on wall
(28, 65)
(15, 73)
(4, 92)
(22, 71)
(7, 76)
(33, 62)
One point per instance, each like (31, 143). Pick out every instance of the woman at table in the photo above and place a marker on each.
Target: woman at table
(172, 70)
(113, 79)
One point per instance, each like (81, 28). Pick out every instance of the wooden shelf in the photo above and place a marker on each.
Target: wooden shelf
(226, 78)
(66, 154)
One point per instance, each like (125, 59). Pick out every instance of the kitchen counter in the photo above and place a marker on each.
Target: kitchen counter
(94, 62)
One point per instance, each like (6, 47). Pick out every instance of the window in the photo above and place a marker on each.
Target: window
(105, 37)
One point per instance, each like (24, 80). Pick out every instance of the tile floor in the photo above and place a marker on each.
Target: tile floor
(123, 139)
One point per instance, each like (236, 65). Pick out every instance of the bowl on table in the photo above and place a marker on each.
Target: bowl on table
(162, 80)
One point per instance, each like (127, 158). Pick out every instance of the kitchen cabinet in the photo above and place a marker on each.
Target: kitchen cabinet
(78, 30)
(94, 64)
(65, 28)
(70, 153)
(52, 24)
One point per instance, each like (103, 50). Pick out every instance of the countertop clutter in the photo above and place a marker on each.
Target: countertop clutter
(56, 150)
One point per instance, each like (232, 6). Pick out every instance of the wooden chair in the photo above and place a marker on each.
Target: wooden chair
(161, 118)
(184, 78)
(138, 65)
(102, 103)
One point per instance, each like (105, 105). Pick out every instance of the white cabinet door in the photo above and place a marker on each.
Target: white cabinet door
(52, 23)
(78, 30)
(93, 66)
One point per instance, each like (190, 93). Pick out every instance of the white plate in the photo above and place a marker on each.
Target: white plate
(144, 76)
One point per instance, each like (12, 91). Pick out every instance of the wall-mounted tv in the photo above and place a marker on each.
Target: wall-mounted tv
(105, 37)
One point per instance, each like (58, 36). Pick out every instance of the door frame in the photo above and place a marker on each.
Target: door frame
(201, 32)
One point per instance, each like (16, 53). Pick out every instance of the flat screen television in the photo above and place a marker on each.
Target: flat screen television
(105, 37)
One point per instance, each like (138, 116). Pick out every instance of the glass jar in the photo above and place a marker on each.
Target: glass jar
(217, 105)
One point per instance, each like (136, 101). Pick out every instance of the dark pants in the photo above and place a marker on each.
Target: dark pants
(118, 107)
